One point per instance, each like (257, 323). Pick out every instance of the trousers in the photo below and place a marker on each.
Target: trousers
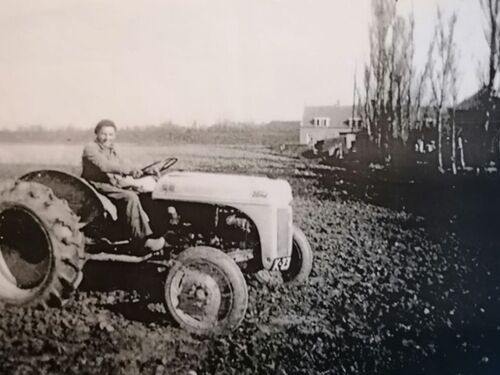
(137, 219)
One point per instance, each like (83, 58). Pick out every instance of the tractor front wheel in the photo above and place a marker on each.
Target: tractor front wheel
(302, 259)
(301, 262)
(41, 247)
(205, 291)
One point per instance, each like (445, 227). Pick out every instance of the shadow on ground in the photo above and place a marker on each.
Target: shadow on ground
(143, 284)
(464, 208)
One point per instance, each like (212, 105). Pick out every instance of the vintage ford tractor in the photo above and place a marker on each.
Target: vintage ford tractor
(216, 226)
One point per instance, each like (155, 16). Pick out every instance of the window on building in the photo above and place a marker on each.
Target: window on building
(321, 121)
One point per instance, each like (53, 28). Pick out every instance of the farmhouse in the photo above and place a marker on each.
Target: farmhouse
(470, 117)
(327, 122)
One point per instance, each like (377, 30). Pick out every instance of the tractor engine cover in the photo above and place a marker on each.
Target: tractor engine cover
(224, 189)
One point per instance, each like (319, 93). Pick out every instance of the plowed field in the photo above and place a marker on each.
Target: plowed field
(393, 290)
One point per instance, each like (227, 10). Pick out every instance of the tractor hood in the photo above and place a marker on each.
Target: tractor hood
(222, 189)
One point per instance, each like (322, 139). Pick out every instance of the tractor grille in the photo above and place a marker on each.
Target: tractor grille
(284, 231)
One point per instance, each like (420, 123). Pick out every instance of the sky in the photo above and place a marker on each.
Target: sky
(72, 62)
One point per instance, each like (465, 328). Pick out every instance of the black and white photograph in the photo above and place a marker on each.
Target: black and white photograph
(280, 187)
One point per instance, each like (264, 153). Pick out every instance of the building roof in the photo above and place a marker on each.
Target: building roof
(337, 114)
(476, 101)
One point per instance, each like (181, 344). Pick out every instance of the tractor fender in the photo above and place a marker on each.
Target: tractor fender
(82, 198)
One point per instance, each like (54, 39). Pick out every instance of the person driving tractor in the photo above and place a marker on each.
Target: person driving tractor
(104, 169)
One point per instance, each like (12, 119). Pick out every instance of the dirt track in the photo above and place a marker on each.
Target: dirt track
(384, 297)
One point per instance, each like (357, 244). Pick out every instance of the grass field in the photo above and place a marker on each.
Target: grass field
(384, 295)
(190, 155)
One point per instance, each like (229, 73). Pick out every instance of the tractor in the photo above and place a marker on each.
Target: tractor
(217, 228)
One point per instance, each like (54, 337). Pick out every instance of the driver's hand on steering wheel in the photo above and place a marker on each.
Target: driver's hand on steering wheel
(136, 173)
(153, 171)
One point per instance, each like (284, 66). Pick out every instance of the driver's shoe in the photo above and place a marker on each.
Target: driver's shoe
(154, 244)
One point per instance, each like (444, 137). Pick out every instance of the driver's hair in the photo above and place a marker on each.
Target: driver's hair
(103, 124)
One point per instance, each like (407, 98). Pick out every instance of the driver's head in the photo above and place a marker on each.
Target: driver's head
(105, 132)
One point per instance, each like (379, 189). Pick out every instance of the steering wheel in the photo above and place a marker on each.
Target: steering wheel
(164, 165)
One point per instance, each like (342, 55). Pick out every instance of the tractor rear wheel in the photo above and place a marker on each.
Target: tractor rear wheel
(205, 291)
(41, 247)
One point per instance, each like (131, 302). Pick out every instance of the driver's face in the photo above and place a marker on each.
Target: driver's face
(106, 136)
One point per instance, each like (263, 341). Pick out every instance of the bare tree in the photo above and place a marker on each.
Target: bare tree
(384, 13)
(409, 56)
(419, 94)
(368, 119)
(389, 78)
(491, 12)
(454, 84)
(442, 52)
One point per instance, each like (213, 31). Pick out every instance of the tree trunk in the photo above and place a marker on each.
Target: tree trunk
(486, 143)
(439, 141)
(453, 143)
(461, 151)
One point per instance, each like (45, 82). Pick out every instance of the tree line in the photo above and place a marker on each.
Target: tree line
(273, 133)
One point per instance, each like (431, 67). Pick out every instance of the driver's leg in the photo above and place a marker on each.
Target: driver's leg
(137, 219)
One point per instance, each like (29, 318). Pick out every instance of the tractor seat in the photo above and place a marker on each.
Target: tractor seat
(109, 207)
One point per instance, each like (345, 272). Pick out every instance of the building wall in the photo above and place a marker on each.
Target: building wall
(309, 135)
(350, 138)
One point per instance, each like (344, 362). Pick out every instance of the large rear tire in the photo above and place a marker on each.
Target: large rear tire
(41, 247)
(206, 292)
